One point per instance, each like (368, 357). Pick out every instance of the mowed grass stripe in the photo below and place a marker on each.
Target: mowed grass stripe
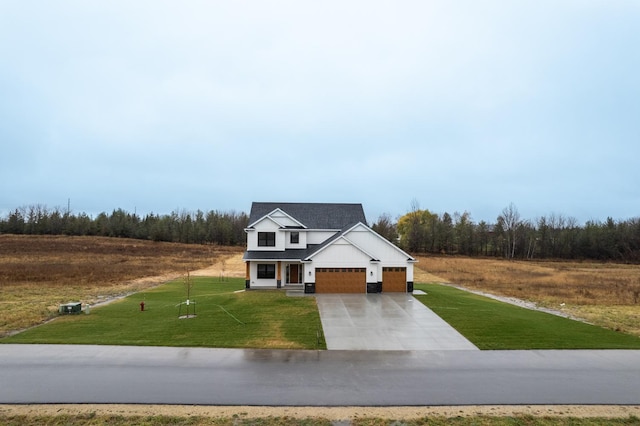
(225, 319)
(491, 324)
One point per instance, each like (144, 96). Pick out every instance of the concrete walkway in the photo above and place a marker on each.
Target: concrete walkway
(392, 321)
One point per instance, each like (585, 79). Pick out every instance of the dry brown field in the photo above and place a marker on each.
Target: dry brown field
(607, 294)
(37, 273)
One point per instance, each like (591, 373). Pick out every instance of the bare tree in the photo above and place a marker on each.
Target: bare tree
(385, 227)
(189, 304)
(510, 218)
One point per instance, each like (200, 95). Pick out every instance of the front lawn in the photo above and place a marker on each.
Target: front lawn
(490, 324)
(225, 318)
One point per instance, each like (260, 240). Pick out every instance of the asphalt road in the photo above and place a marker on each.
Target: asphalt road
(111, 374)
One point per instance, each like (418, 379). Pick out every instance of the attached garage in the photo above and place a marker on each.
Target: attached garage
(324, 248)
(394, 280)
(341, 280)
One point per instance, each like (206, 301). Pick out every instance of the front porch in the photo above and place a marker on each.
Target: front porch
(274, 274)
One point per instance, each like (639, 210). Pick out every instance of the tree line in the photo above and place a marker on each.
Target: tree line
(418, 231)
(213, 227)
(510, 236)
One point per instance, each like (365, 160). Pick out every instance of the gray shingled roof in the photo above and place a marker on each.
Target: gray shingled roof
(290, 254)
(313, 215)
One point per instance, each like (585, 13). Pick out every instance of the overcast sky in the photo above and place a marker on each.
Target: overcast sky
(154, 106)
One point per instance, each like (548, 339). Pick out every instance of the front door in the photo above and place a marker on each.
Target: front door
(294, 274)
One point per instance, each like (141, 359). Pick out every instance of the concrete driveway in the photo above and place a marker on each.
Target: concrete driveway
(392, 321)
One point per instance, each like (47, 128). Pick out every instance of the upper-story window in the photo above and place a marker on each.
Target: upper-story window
(266, 239)
(295, 238)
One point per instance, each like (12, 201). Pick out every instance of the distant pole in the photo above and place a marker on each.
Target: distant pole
(68, 206)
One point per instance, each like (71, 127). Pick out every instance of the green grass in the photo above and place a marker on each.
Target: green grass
(490, 324)
(269, 319)
(225, 319)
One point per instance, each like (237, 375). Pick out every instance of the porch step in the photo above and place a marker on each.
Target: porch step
(294, 290)
(294, 286)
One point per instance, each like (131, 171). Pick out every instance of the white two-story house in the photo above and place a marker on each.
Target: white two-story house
(322, 247)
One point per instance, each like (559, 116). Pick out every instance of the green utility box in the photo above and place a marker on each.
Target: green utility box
(70, 308)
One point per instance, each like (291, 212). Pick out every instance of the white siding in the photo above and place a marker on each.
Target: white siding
(382, 250)
(266, 226)
(388, 254)
(318, 237)
(283, 219)
(255, 282)
(341, 255)
(302, 242)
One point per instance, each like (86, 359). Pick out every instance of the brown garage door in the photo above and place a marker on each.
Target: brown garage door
(341, 280)
(394, 280)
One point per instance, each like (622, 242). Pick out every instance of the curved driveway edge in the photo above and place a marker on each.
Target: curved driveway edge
(151, 375)
(390, 321)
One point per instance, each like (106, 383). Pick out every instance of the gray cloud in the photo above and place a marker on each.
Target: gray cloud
(465, 106)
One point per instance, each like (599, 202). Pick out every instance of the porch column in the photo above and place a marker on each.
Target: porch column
(279, 268)
(247, 276)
